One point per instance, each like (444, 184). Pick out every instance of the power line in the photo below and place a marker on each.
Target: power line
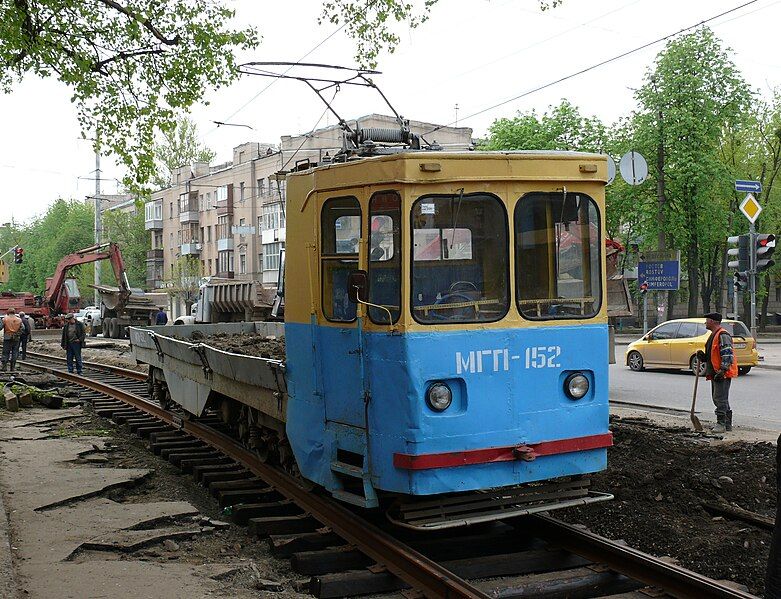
(273, 81)
(596, 66)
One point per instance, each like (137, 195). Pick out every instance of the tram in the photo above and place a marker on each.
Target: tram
(446, 332)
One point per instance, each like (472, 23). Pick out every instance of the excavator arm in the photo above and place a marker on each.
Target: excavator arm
(55, 295)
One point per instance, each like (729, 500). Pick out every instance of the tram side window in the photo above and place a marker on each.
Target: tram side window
(557, 264)
(340, 230)
(459, 259)
(385, 256)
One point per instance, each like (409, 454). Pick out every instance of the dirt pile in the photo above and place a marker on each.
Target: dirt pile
(661, 477)
(246, 344)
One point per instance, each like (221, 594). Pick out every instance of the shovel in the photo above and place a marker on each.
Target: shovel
(696, 421)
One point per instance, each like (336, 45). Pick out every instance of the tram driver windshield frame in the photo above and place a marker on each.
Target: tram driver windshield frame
(460, 258)
(557, 260)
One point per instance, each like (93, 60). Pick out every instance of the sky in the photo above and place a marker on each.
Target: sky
(473, 54)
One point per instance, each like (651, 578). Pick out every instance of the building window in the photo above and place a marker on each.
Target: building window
(273, 216)
(271, 255)
(221, 194)
(261, 183)
(171, 210)
(242, 264)
(153, 211)
(241, 191)
(179, 237)
(209, 233)
(242, 223)
(200, 202)
(171, 239)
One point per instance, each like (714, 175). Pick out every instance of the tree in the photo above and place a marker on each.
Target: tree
(562, 128)
(184, 283)
(180, 146)
(130, 67)
(66, 227)
(127, 230)
(371, 22)
(690, 97)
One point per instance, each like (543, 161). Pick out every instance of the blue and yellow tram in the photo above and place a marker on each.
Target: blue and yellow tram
(446, 330)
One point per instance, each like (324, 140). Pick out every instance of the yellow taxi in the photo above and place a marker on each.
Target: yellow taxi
(674, 344)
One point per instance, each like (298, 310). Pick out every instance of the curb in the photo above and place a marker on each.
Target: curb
(768, 366)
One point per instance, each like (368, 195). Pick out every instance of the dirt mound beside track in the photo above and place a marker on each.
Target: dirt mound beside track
(661, 478)
(246, 344)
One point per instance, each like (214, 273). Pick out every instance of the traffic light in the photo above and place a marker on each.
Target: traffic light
(740, 281)
(18, 255)
(766, 245)
(741, 252)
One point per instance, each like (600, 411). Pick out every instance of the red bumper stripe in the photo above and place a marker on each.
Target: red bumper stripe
(500, 454)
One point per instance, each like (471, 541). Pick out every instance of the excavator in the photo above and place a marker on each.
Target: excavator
(120, 307)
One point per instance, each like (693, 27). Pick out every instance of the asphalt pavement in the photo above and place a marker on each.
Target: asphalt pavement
(754, 398)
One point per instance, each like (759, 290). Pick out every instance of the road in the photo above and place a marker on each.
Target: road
(755, 398)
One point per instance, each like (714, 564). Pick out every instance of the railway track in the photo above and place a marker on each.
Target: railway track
(346, 554)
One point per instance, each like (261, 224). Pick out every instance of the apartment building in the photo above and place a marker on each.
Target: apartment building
(231, 216)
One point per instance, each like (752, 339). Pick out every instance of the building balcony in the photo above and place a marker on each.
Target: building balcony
(154, 255)
(225, 245)
(190, 249)
(153, 225)
(227, 274)
(190, 216)
(225, 207)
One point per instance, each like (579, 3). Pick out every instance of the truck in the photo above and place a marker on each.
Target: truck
(120, 307)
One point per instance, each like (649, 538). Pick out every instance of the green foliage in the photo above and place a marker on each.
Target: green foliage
(180, 146)
(66, 227)
(184, 283)
(691, 97)
(130, 66)
(371, 23)
(562, 128)
(127, 230)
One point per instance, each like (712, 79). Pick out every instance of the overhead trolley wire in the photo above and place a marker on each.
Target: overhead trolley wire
(596, 66)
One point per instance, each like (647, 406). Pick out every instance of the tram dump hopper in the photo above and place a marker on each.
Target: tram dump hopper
(194, 371)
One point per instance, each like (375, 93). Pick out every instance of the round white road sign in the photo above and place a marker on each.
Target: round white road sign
(633, 167)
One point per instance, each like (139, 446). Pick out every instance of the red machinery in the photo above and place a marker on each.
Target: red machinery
(56, 294)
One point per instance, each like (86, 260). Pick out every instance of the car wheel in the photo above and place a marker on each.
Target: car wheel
(635, 361)
(701, 365)
(744, 370)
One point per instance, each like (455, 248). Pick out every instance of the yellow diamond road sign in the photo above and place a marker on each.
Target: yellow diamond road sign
(750, 208)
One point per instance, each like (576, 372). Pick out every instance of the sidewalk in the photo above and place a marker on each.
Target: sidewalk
(769, 348)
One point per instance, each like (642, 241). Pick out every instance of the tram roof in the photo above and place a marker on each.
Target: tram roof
(433, 166)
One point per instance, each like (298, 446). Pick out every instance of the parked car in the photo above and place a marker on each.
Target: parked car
(674, 344)
(81, 314)
(92, 322)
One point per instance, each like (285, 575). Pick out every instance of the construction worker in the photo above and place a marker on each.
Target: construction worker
(12, 327)
(27, 334)
(720, 368)
(73, 337)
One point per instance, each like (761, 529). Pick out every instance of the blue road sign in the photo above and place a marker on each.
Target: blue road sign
(662, 275)
(748, 186)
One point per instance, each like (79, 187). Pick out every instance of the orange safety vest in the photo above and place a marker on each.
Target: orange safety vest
(715, 357)
(11, 325)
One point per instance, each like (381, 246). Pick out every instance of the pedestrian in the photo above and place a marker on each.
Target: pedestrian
(12, 327)
(161, 318)
(73, 336)
(27, 334)
(720, 368)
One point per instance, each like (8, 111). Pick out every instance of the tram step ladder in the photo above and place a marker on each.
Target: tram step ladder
(345, 472)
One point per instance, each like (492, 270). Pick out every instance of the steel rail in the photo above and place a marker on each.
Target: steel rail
(409, 565)
(674, 580)
(126, 372)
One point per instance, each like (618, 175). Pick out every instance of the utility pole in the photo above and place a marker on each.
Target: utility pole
(456, 107)
(98, 223)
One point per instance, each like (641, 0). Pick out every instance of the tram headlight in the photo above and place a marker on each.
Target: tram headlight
(576, 385)
(439, 397)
